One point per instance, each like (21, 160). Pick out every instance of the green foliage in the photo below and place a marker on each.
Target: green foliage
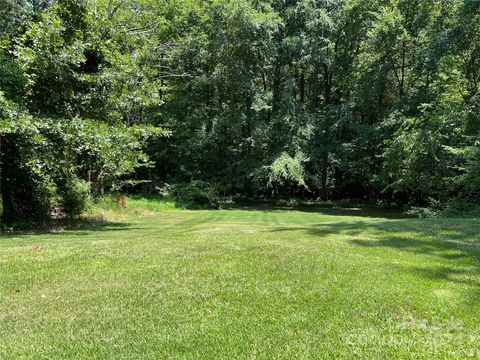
(73, 119)
(367, 100)
(52, 153)
(196, 192)
(284, 172)
(74, 196)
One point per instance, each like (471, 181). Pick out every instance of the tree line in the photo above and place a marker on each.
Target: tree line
(375, 100)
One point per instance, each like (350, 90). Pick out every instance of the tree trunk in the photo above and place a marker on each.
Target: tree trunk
(302, 88)
(325, 175)
(276, 89)
(327, 78)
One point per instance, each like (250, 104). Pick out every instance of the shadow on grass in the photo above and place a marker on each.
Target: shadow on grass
(77, 226)
(452, 244)
(347, 211)
(334, 208)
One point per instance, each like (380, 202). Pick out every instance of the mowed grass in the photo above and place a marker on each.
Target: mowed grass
(156, 282)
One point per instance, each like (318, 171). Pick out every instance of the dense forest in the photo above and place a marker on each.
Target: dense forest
(376, 100)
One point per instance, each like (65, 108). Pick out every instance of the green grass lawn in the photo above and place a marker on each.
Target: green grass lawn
(159, 283)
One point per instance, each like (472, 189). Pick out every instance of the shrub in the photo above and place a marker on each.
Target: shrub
(196, 192)
(27, 193)
(75, 196)
(423, 212)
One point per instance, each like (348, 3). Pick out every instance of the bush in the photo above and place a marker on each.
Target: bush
(423, 212)
(27, 194)
(461, 207)
(75, 196)
(457, 207)
(196, 192)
